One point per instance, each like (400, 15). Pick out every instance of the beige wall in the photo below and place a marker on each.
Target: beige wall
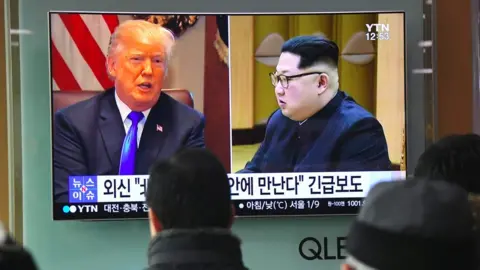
(242, 69)
(186, 69)
(390, 85)
(187, 65)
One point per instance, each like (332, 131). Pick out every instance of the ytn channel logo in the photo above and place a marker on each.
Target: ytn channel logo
(80, 208)
(378, 31)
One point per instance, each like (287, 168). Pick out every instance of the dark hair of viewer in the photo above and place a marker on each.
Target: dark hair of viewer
(190, 191)
(312, 50)
(455, 158)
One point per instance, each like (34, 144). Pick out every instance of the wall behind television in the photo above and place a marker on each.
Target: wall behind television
(121, 245)
(187, 66)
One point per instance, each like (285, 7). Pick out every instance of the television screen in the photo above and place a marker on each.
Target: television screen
(306, 112)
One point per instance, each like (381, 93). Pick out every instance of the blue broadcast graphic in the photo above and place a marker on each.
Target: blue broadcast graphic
(82, 189)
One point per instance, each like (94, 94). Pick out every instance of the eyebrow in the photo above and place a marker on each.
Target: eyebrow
(281, 71)
(146, 54)
(140, 51)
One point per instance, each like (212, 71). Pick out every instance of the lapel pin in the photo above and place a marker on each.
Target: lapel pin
(159, 128)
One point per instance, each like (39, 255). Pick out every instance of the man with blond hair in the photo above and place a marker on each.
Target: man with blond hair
(127, 128)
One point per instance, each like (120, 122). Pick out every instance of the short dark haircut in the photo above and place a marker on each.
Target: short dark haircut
(190, 190)
(312, 50)
(455, 158)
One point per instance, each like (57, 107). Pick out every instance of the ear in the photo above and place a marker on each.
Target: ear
(322, 83)
(155, 224)
(112, 73)
(232, 218)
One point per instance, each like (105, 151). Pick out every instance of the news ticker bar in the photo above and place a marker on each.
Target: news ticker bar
(100, 211)
(278, 207)
(258, 186)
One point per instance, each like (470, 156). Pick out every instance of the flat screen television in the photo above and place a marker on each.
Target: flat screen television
(246, 75)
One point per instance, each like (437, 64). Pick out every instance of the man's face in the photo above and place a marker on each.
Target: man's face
(139, 68)
(297, 99)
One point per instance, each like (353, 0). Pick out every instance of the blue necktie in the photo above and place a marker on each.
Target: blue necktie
(129, 149)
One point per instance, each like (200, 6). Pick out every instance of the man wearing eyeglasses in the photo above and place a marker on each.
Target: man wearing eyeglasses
(126, 129)
(318, 127)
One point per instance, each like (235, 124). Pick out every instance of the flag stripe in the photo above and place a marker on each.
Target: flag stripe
(81, 46)
(69, 52)
(112, 21)
(98, 28)
(54, 85)
(61, 73)
(87, 46)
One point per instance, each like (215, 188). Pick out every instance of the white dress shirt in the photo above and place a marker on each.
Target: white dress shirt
(124, 112)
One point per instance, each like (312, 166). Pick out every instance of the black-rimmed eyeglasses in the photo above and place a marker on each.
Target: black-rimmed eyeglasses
(284, 79)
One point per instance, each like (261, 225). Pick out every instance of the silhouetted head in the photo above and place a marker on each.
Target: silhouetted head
(455, 158)
(12, 255)
(415, 225)
(189, 191)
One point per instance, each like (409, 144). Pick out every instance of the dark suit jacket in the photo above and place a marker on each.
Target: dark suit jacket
(341, 137)
(88, 137)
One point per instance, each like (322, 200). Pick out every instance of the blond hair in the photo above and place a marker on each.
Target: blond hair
(127, 28)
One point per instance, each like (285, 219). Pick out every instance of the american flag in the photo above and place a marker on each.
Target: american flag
(79, 44)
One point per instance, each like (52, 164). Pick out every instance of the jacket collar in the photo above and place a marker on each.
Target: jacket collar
(180, 246)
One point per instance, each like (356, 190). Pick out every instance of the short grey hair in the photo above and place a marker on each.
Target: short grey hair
(151, 29)
(356, 264)
(331, 70)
